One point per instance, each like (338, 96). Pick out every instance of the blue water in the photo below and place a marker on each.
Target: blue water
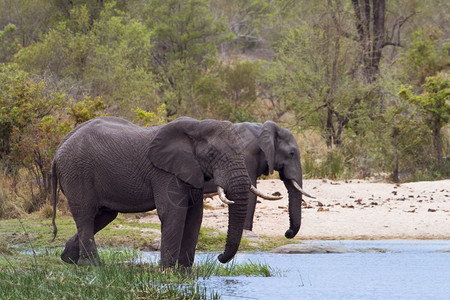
(407, 270)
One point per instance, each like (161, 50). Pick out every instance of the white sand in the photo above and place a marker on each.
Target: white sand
(355, 209)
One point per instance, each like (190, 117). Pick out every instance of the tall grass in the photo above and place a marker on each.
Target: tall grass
(121, 276)
(211, 267)
(8, 204)
(117, 278)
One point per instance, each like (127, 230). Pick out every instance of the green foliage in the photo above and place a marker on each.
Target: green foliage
(231, 91)
(185, 35)
(240, 84)
(85, 110)
(118, 65)
(30, 18)
(23, 103)
(108, 58)
(434, 108)
(315, 80)
(31, 130)
(434, 101)
(184, 30)
(8, 43)
(297, 62)
(333, 166)
(254, 24)
(149, 118)
(426, 56)
(33, 122)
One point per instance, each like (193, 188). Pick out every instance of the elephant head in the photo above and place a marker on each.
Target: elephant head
(196, 151)
(282, 154)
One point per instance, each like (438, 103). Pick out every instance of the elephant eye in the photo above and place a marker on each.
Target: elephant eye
(291, 154)
(211, 154)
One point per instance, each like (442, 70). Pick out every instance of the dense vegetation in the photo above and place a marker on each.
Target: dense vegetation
(124, 274)
(30, 267)
(364, 83)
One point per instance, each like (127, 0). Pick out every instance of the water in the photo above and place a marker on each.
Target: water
(407, 270)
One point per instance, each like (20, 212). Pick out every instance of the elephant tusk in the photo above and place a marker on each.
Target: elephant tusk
(263, 195)
(298, 187)
(222, 196)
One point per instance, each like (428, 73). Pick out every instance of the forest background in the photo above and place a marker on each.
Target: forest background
(363, 84)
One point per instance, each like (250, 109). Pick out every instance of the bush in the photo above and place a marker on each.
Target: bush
(330, 165)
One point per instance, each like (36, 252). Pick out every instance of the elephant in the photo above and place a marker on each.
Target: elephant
(269, 147)
(109, 165)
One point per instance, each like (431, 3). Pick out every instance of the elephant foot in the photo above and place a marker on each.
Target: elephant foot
(70, 255)
(89, 261)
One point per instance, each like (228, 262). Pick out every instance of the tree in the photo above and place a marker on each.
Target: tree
(21, 101)
(29, 133)
(373, 35)
(316, 81)
(108, 58)
(434, 104)
(186, 35)
(426, 55)
(8, 43)
(30, 17)
(403, 143)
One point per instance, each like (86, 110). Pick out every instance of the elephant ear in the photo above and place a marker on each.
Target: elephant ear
(267, 140)
(172, 150)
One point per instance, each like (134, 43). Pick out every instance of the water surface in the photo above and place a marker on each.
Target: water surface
(372, 270)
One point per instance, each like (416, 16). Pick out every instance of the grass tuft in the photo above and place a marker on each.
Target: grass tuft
(211, 267)
(121, 276)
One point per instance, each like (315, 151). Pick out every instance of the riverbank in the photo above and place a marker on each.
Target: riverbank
(343, 210)
(353, 209)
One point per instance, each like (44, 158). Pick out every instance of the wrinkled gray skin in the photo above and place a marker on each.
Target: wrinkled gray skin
(268, 147)
(109, 165)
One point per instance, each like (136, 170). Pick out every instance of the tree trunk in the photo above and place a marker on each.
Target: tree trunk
(394, 144)
(371, 35)
(379, 12)
(438, 141)
(329, 130)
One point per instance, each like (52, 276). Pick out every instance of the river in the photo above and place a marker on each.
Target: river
(371, 270)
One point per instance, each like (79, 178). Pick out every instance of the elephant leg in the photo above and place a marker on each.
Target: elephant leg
(248, 225)
(172, 203)
(191, 231)
(84, 215)
(71, 252)
(103, 218)
(172, 227)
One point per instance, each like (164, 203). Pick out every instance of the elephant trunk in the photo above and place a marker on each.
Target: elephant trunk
(295, 209)
(237, 191)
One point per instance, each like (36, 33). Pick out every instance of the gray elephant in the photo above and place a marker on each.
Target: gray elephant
(109, 165)
(268, 147)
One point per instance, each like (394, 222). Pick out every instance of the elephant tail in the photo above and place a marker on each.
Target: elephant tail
(55, 198)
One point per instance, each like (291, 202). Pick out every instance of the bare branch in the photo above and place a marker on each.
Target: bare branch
(406, 19)
(359, 25)
(337, 24)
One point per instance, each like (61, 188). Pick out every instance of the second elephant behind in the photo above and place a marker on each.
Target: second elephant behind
(269, 147)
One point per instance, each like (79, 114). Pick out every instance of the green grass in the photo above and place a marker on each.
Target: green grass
(122, 232)
(121, 276)
(211, 267)
(30, 267)
(42, 277)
